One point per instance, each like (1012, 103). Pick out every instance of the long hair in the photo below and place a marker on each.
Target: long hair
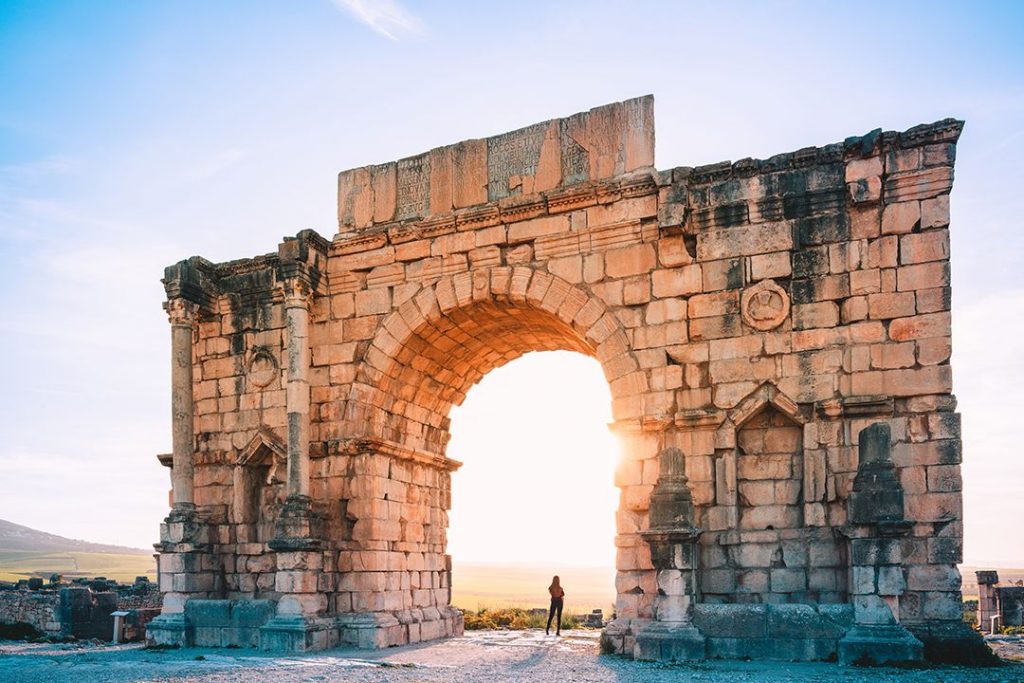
(555, 589)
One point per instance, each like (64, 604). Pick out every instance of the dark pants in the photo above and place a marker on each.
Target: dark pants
(556, 604)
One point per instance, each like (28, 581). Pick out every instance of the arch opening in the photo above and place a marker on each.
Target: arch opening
(535, 495)
(426, 356)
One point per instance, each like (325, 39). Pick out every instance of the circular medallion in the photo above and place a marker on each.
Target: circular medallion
(262, 368)
(765, 305)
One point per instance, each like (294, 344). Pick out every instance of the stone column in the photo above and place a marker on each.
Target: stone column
(182, 315)
(988, 600)
(876, 525)
(187, 570)
(296, 525)
(296, 310)
(673, 541)
(299, 624)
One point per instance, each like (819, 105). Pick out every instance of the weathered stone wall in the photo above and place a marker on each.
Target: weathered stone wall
(77, 610)
(38, 609)
(755, 315)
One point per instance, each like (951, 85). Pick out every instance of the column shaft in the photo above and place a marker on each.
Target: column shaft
(297, 393)
(182, 420)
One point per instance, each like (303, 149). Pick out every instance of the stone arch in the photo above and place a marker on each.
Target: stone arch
(432, 348)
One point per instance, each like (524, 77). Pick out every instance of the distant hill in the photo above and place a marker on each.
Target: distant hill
(17, 537)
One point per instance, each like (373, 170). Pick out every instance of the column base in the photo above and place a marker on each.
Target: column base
(298, 526)
(667, 642)
(879, 644)
(299, 634)
(618, 637)
(183, 530)
(168, 630)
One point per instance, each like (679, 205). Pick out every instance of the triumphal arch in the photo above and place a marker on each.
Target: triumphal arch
(775, 335)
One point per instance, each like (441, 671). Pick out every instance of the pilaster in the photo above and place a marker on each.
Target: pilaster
(673, 541)
(876, 525)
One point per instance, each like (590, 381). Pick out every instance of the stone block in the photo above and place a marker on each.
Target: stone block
(724, 274)
(209, 613)
(935, 213)
(875, 551)
(752, 581)
(744, 241)
(879, 644)
(296, 581)
(820, 314)
(800, 622)
(682, 281)
(774, 265)
(943, 605)
(901, 218)
(718, 580)
(871, 609)
(890, 580)
(788, 580)
(731, 621)
(922, 276)
(933, 578)
(627, 261)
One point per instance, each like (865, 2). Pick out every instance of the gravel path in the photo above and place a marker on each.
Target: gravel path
(481, 657)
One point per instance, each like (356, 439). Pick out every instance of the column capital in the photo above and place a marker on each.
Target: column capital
(296, 292)
(181, 311)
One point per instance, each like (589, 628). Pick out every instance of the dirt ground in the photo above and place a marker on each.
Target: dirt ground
(480, 657)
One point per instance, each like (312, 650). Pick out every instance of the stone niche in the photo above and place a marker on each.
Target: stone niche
(753, 320)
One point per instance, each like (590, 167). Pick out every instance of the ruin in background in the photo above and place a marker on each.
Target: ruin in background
(82, 609)
(999, 605)
(776, 338)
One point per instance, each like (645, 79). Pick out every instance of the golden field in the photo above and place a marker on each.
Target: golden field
(23, 564)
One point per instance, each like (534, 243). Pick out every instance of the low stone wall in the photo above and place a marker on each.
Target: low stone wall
(38, 609)
(81, 611)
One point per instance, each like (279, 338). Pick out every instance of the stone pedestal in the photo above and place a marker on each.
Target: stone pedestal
(672, 637)
(187, 571)
(875, 511)
(298, 527)
(298, 633)
(664, 642)
(168, 630)
(374, 630)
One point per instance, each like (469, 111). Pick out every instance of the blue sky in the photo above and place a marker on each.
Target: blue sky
(136, 134)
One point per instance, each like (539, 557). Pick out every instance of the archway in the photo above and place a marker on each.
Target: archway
(425, 357)
(447, 336)
(535, 495)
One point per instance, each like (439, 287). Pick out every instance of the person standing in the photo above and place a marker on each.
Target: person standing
(557, 600)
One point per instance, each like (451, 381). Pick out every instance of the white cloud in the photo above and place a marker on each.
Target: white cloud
(386, 17)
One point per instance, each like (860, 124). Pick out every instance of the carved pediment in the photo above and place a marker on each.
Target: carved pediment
(765, 395)
(265, 449)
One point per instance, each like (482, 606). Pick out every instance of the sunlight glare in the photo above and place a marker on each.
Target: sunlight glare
(536, 485)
